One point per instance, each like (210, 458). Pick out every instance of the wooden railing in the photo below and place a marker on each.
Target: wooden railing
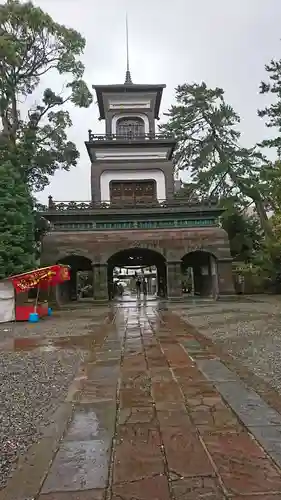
(129, 204)
(128, 137)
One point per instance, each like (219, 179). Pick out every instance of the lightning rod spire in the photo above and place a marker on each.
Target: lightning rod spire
(128, 78)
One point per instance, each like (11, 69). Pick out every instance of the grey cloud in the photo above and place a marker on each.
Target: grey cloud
(224, 42)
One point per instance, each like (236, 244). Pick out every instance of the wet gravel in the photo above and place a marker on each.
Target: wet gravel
(66, 323)
(32, 383)
(31, 386)
(248, 331)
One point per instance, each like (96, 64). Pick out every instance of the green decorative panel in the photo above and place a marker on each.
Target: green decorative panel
(153, 224)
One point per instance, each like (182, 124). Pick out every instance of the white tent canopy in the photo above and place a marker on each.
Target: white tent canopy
(7, 302)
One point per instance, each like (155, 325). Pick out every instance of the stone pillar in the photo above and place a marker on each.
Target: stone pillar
(174, 280)
(59, 295)
(192, 281)
(73, 285)
(100, 285)
(214, 277)
(225, 277)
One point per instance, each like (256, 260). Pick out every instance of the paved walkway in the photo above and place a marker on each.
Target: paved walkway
(155, 416)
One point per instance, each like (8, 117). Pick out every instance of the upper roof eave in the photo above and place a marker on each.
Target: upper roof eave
(130, 87)
(169, 142)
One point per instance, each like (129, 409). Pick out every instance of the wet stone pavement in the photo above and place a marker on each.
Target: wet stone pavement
(154, 414)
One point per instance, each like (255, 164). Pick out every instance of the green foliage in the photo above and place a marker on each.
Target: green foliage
(45, 149)
(244, 235)
(270, 185)
(33, 45)
(198, 120)
(272, 113)
(188, 192)
(206, 130)
(35, 144)
(41, 227)
(271, 174)
(16, 223)
(244, 231)
(266, 263)
(208, 147)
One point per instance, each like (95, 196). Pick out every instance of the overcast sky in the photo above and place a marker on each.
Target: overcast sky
(226, 43)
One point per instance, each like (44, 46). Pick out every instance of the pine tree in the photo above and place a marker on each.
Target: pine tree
(272, 113)
(206, 129)
(16, 223)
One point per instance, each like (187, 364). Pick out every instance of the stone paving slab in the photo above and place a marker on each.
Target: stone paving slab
(152, 421)
(156, 487)
(258, 497)
(74, 495)
(79, 465)
(247, 404)
(96, 421)
(196, 488)
(215, 371)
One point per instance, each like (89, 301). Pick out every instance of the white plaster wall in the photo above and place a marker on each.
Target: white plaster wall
(130, 103)
(124, 115)
(132, 153)
(123, 175)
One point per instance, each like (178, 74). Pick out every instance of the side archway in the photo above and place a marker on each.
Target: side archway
(137, 258)
(70, 290)
(199, 269)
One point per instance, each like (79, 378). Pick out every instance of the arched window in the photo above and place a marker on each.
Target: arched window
(130, 127)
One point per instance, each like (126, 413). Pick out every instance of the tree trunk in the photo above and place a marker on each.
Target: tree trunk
(265, 224)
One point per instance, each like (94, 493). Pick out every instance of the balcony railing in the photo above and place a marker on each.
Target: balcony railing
(128, 137)
(63, 206)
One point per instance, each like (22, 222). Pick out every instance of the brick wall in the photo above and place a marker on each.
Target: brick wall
(100, 245)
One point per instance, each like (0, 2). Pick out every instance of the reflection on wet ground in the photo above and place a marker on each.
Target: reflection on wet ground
(51, 341)
(86, 342)
(154, 415)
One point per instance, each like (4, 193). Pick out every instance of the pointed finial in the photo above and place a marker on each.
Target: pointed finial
(128, 78)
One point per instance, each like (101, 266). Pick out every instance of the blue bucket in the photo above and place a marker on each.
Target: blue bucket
(50, 311)
(33, 317)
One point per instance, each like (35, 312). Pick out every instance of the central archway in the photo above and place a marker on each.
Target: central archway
(139, 258)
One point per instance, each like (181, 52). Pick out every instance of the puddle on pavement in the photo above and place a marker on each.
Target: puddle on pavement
(92, 422)
(84, 342)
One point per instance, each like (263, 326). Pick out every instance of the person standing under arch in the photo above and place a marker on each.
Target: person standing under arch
(144, 287)
(138, 286)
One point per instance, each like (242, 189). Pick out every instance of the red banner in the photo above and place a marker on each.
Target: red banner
(45, 277)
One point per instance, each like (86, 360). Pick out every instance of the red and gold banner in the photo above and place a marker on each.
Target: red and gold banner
(45, 277)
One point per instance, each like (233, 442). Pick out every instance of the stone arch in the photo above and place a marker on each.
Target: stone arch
(187, 249)
(77, 261)
(203, 251)
(143, 245)
(138, 257)
(77, 252)
(69, 290)
(199, 269)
